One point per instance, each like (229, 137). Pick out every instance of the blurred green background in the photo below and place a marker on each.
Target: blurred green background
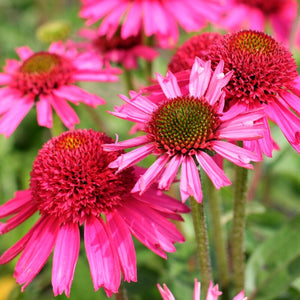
(275, 194)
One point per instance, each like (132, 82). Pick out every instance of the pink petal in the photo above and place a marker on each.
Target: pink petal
(132, 24)
(65, 258)
(150, 228)
(197, 290)
(170, 172)
(124, 244)
(64, 111)
(214, 172)
(76, 95)
(21, 200)
(240, 296)
(14, 116)
(16, 220)
(9, 97)
(165, 292)
(235, 154)
(24, 52)
(200, 77)
(37, 251)
(87, 75)
(5, 78)
(151, 174)
(19, 246)
(102, 257)
(57, 48)
(190, 184)
(169, 85)
(213, 292)
(292, 100)
(132, 157)
(218, 81)
(134, 142)
(44, 111)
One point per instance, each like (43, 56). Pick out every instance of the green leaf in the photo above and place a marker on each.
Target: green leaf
(275, 264)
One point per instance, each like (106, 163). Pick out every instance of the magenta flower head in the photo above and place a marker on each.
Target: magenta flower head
(258, 14)
(154, 17)
(72, 185)
(213, 292)
(47, 79)
(124, 51)
(186, 127)
(265, 75)
(196, 46)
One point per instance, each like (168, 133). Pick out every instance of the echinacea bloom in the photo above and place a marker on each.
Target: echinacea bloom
(213, 292)
(258, 14)
(71, 185)
(47, 79)
(124, 51)
(196, 46)
(265, 75)
(156, 17)
(185, 128)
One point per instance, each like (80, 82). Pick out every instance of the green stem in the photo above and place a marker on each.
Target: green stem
(201, 236)
(122, 294)
(218, 235)
(99, 124)
(238, 228)
(57, 127)
(149, 41)
(128, 79)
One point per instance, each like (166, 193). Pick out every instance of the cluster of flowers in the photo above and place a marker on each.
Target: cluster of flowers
(219, 89)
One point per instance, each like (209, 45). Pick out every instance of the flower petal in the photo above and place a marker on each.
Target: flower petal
(190, 184)
(44, 112)
(124, 244)
(169, 85)
(102, 257)
(213, 171)
(65, 258)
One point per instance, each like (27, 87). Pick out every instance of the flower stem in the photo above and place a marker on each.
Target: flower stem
(128, 79)
(149, 41)
(201, 236)
(238, 228)
(122, 294)
(218, 235)
(57, 126)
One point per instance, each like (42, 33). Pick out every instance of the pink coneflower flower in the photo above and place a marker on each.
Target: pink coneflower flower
(47, 79)
(71, 185)
(156, 17)
(185, 128)
(265, 75)
(196, 46)
(257, 14)
(213, 292)
(124, 51)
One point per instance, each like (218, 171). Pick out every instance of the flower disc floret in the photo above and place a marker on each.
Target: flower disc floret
(183, 125)
(41, 73)
(262, 66)
(71, 181)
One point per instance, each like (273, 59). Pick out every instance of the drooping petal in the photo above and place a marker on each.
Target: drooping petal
(235, 154)
(65, 258)
(165, 292)
(44, 111)
(36, 251)
(134, 142)
(190, 184)
(76, 94)
(151, 174)
(65, 112)
(132, 157)
(170, 172)
(124, 244)
(213, 171)
(102, 257)
(13, 117)
(19, 246)
(21, 200)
